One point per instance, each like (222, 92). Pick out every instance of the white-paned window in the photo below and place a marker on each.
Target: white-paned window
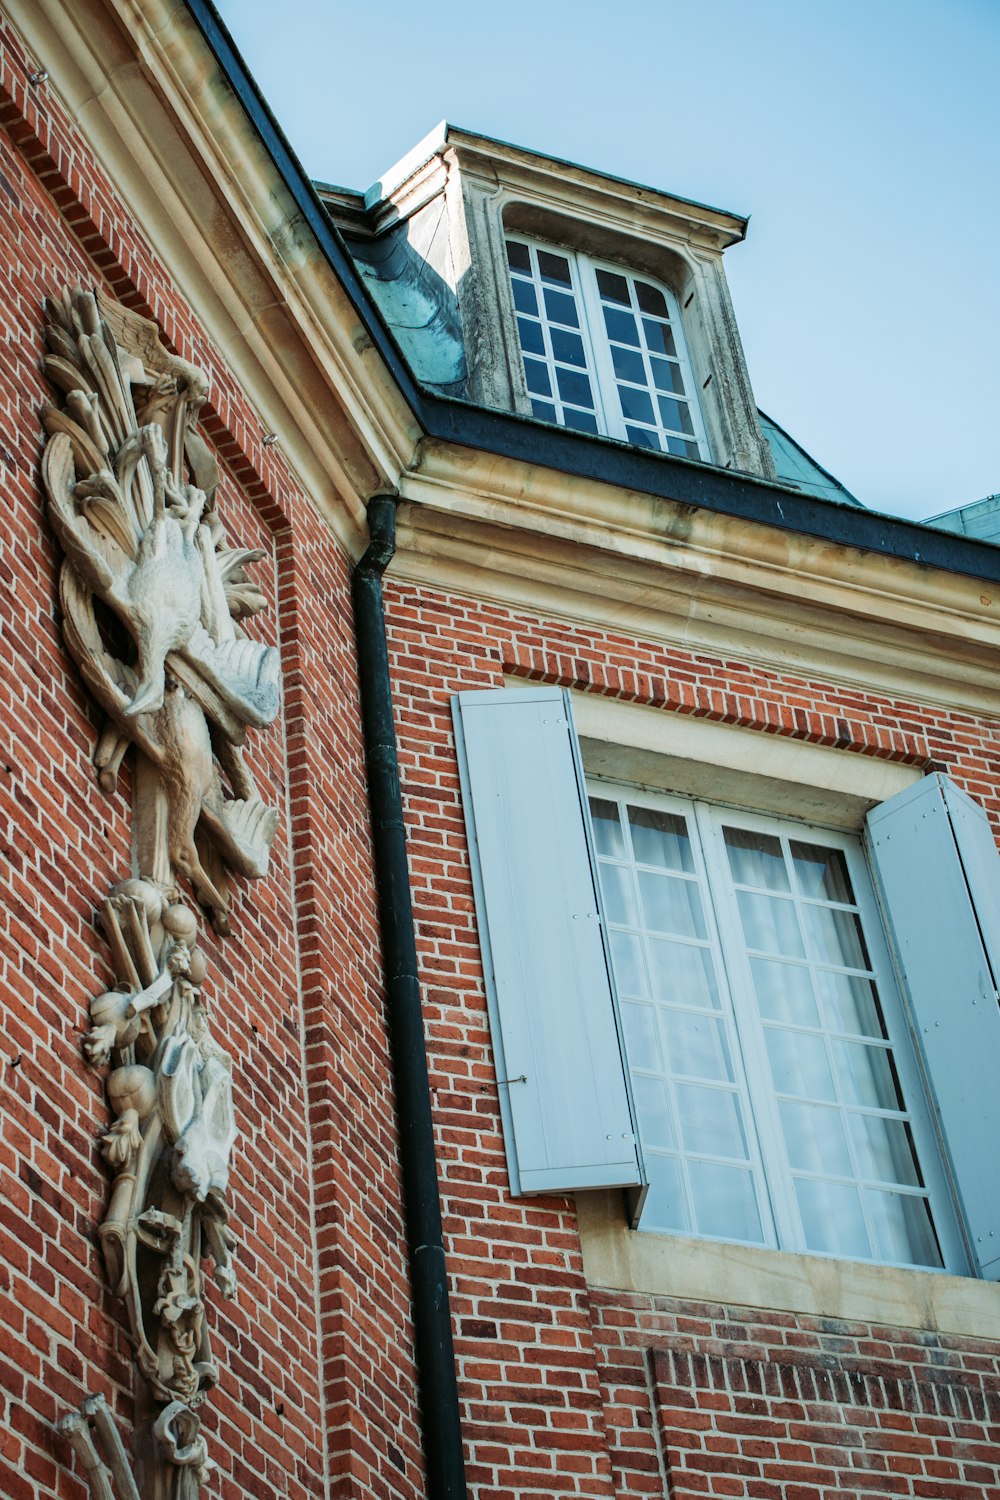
(697, 1003)
(603, 350)
(775, 1086)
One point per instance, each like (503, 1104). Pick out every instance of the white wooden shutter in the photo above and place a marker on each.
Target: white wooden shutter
(568, 1121)
(937, 864)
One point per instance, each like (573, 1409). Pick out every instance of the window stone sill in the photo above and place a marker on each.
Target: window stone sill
(620, 1259)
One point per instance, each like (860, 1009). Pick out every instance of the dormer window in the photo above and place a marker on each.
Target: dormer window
(603, 350)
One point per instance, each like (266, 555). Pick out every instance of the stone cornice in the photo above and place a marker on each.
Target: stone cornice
(548, 531)
(579, 191)
(155, 107)
(580, 550)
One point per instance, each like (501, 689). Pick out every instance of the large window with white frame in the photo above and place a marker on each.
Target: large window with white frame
(697, 1003)
(776, 1089)
(603, 349)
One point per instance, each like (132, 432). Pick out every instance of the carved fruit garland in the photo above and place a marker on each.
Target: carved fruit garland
(151, 594)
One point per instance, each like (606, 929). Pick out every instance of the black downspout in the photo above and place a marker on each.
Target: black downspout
(431, 1313)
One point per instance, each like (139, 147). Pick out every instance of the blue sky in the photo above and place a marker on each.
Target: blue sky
(862, 136)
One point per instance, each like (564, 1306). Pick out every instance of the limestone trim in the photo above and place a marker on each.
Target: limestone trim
(652, 209)
(536, 540)
(148, 96)
(502, 188)
(618, 1259)
(726, 763)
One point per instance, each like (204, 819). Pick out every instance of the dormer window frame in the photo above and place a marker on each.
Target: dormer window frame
(628, 343)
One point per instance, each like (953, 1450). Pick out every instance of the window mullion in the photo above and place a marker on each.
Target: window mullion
(840, 1103)
(757, 1068)
(717, 916)
(605, 389)
(642, 937)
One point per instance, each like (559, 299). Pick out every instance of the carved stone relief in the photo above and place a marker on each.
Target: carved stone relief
(152, 596)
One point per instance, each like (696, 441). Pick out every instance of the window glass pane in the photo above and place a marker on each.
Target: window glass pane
(710, 1121)
(643, 437)
(850, 1004)
(683, 448)
(666, 375)
(835, 936)
(518, 257)
(660, 838)
(832, 1219)
(696, 1045)
(659, 339)
(664, 1206)
(821, 872)
(543, 410)
(815, 1139)
(537, 377)
(671, 904)
(530, 334)
(756, 859)
(799, 1064)
(683, 974)
(621, 326)
(628, 364)
(582, 421)
(784, 992)
(674, 414)
(652, 1104)
(616, 886)
(867, 1075)
(635, 404)
(561, 307)
(725, 1202)
(524, 296)
(770, 924)
(608, 835)
(641, 1037)
(613, 288)
(884, 1149)
(651, 299)
(554, 268)
(568, 347)
(574, 386)
(630, 970)
(827, 1099)
(904, 1229)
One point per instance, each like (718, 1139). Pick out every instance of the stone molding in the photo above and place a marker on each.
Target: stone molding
(537, 540)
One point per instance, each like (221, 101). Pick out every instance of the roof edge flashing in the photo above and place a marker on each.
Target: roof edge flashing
(401, 171)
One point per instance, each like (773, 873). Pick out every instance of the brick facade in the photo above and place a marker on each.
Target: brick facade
(566, 1388)
(318, 1334)
(615, 1394)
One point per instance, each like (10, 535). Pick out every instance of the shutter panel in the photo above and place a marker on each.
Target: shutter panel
(939, 871)
(568, 1120)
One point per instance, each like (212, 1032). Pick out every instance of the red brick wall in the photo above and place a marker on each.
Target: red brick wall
(573, 1391)
(728, 1401)
(314, 1350)
(566, 1391)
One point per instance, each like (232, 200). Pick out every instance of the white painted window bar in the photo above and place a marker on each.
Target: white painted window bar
(778, 1097)
(603, 350)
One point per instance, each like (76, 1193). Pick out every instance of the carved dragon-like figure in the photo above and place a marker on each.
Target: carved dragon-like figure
(152, 597)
